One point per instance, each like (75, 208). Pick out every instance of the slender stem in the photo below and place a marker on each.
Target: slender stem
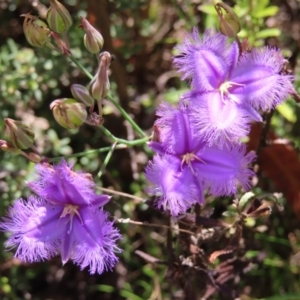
(107, 158)
(81, 67)
(265, 131)
(239, 45)
(125, 142)
(129, 221)
(126, 116)
(110, 191)
(120, 145)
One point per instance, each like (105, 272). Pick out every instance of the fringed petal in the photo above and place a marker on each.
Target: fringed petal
(217, 121)
(207, 61)
(35, 229)
(174, 185)
(222, 170)
(259, 74)
(95, 241)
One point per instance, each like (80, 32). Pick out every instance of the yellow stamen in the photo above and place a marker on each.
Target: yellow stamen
(71, 210)
(187, 159)
(224, 89)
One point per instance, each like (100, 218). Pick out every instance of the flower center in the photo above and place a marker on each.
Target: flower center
(224, 91)
(71, 210)
(188, 158)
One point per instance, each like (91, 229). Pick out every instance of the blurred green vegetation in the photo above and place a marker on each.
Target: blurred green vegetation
(143, 34)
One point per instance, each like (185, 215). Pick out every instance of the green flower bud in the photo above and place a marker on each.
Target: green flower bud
(36, 31)
(93, 40)
(229, 22)
(100, 85)
(20, 135)
(58, 17)
(82, 94)
(69, 113)
(8, 147)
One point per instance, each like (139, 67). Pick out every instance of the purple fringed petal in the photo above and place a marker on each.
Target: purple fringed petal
(206, 61)
(220, 122)
(35, 229)
(258, 72)
(174, 125)
(95, 241)
(223, 169)
(59, 184)
(176, 188)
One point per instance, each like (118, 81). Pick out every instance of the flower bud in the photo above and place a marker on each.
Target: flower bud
(8, 147)
(34, 157)
(68, 113)
(82, 94)
(58, 17)
(20, 135)
(36, 31)
(100, 85)
(93, 40)
(229, 22)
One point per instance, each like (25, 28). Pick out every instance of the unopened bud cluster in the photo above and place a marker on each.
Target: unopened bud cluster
(72, 113)
(39, 34)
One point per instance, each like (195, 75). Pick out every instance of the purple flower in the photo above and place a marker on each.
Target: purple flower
(228, 87)
(66, 218)
(185, 166)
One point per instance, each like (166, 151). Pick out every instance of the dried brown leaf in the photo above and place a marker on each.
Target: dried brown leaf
(280, 163)
(216, 254)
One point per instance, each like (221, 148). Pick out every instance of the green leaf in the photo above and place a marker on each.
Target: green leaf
(251, 253)
(105, 288)
(287, 112)
(260, 4)
(208, 9)
(283, 297)
(173, 95)
(268, 33)
(130, 295)
(267, 12)
(229, 214)
(245, 198)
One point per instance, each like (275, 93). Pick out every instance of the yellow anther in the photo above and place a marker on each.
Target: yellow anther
(224, 89)
(71, 210)
(187, 159)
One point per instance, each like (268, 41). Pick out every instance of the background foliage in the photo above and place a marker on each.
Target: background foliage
(142, 34)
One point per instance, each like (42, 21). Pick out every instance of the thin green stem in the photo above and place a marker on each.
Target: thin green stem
(122, 144)
(121, 141)
(81, 67)
(126, 116)
(107, 158)
(89, 152)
